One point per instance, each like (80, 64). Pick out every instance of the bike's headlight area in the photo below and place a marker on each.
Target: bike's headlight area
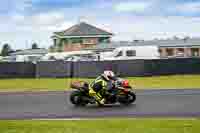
(125, 83)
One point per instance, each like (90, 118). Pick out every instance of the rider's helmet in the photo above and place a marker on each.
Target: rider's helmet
(108, 75)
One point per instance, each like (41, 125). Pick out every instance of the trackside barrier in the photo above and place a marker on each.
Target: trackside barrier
(125, 68)
(53, 69)
(17, 70)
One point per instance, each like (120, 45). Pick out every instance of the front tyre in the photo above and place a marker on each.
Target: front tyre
(132, 97)
(76, 99)
(128, 98)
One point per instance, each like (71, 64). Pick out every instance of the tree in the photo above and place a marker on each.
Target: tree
(34, 46)
(6, 50)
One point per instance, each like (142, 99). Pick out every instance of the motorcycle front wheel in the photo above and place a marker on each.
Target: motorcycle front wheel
(127, 99)
(132, 97)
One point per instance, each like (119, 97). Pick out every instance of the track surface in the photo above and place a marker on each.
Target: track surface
(149, 103)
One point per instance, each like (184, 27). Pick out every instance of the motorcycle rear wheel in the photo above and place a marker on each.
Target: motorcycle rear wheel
(76, 99)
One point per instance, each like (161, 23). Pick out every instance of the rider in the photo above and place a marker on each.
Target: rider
(104, 81)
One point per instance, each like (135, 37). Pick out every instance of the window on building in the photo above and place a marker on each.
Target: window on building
(89, 41)
(180, 52)
(119, 54)
(130, 53)
(76, 40)
(103, 40)
(54, 42)
(195, 51)
(169, 51)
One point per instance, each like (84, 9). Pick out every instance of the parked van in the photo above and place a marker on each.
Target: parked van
(134, 52)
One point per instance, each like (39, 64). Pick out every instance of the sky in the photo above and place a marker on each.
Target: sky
(23, 22)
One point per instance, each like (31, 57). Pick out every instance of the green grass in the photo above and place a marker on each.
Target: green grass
(161, 82)
(100, 126)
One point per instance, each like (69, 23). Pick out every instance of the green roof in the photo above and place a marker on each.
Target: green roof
(83, 29)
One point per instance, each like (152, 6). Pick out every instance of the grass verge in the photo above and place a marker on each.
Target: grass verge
(53, 84)
(99, 126)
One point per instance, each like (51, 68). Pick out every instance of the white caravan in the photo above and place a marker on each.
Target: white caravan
(28, 58)
(63, 55)
(133, 52)
(22, 58)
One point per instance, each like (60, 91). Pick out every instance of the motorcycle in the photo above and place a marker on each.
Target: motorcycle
(121, 92)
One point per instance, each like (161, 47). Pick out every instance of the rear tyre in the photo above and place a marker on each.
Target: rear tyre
(76, 99)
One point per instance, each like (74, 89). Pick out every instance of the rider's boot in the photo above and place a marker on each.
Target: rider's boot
(97, 97)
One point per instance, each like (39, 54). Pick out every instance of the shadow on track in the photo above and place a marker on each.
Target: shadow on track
(107, 106)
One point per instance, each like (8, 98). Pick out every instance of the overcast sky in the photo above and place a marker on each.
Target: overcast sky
(26, 21)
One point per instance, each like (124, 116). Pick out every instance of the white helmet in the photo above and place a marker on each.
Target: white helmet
(108, 75)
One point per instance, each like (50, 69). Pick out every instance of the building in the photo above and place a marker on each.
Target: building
(78, 37)
(28, 55)
(180, 48)
(30, 52)
(167, 48)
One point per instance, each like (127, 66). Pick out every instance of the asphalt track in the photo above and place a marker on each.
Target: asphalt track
(55, 105)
